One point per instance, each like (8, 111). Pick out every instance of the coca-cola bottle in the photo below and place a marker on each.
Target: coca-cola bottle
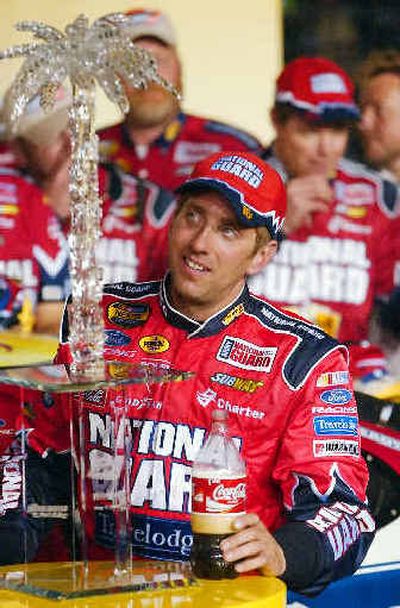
(218, 497)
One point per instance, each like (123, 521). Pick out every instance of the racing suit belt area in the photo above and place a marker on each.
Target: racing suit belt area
(275, 374)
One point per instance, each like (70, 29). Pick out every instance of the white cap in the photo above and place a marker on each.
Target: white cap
(145, 22)
(38, 126)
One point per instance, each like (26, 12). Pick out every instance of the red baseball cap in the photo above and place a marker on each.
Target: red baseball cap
(319, 87)
(255, 190)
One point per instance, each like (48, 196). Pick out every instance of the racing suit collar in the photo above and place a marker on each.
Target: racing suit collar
(166, 138)
(212, 325)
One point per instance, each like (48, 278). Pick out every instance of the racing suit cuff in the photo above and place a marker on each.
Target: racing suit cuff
(306, 558)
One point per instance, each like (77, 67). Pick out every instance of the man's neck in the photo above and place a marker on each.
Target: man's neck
(144, 136)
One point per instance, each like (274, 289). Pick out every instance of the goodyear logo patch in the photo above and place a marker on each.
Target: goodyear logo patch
(245, 385)
(336, 396)
(333, 378)
(154, 344)
(246, 355)
(335, 425)
(233, 314)
(127, 315)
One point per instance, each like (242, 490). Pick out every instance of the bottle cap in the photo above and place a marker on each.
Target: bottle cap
(219, 415)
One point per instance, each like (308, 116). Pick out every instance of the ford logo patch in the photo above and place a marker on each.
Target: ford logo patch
(336, 396)
(114, 337)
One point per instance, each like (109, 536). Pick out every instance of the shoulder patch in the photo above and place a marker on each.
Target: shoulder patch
(312, 344)
(220, 127)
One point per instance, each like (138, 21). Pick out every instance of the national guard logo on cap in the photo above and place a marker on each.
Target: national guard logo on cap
(127, 315)
(253, 188)
(154, 344)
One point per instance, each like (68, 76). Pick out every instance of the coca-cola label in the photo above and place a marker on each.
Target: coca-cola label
(219, 496)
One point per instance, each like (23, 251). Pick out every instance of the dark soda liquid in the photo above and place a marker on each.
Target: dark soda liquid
(206, 557)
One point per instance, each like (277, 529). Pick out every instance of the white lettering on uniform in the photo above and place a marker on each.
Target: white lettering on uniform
(325, 269)
(118, 258)
(163, 487)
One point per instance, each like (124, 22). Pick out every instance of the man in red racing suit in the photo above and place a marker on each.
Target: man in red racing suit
(283, 381)
(342, 235)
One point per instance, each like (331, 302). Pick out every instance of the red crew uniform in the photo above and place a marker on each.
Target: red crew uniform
(135, 217)
(170, 159)
(332, 271)
(33, 250)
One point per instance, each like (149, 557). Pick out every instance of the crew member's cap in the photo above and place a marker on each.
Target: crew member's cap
(253, 188)
(319, 87)
(38, 126)
(144, 22)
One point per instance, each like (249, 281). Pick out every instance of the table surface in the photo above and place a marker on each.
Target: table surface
(242, 592)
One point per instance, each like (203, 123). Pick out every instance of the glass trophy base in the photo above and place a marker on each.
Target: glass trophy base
(72, 580)
(59, 379)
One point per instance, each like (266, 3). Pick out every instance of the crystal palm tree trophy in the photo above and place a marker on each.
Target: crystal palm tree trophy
(70, 493)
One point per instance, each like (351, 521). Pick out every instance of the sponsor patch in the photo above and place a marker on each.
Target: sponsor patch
(336, 396)
(119, 370)
(114, 337)
(96, 397)
(204, 398)
(154, 344)
(246, 385)
(233, 314)
(356, 212)
(327, 82)
(335, 425)
(334, 409)
(127, 315)
(246, 355)
(335, 447)
(358, 194)
(333, 378)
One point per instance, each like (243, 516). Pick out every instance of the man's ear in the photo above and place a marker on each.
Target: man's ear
(262, 257)
(273, 117)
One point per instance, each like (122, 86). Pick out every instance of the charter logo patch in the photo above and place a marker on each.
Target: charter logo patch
(246, 355)
(336, 396)
(127, 315)
(335, 447)
(333, 378)
(154, 344)
(335, 425)
(246, 385)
